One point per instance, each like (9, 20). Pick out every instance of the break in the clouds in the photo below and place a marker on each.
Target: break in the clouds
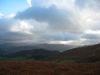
(75, 22)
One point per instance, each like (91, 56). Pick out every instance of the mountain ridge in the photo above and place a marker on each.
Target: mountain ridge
(90, 53)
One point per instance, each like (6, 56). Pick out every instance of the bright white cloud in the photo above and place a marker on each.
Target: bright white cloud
(29, 2)
(92, 32)
(23, 27)
(1, 15)
(60, 42)
(57, 3)
(11, 15)
(79, 42)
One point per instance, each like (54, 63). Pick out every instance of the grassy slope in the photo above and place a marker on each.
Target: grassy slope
(47, 68)
(82, 54)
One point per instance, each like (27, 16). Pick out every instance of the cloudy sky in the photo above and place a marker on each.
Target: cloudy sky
(74, 22)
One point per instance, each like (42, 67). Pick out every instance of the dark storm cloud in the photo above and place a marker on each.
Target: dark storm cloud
(92, 36)
(65, 36)
(5, 24)
(56, 18)
(94, 4)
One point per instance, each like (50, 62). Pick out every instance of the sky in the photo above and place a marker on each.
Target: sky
(69, 22)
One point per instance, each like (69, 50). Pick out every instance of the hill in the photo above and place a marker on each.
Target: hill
(13, 47)
(82, 54)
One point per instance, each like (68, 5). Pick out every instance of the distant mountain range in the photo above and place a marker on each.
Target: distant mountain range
(12, 48)
(42, 52)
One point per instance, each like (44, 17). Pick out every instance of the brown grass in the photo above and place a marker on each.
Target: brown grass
(47, 68)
